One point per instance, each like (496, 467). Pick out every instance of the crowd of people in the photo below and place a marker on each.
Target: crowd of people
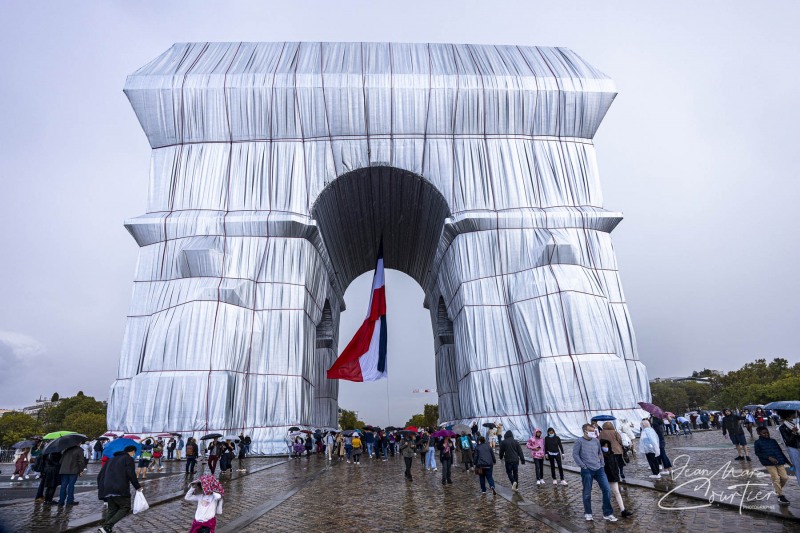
(601, 453)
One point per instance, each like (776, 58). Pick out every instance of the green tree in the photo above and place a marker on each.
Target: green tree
(431, 413)
(670, 396)
(90, 424)
(55, 418)
(416, 421)
(349, 420)
(15, 427)
(54, 397)
(757, 382)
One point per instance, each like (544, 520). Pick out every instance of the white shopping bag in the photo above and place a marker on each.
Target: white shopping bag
(139, 503)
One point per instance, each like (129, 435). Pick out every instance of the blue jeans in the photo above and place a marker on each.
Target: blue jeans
(370, 448)
(487, 474)
(97, 455)
(430, 458)
(67, 488)
(663, 459)
(599, 475)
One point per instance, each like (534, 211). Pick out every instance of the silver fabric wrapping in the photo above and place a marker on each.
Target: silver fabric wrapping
(276, 169)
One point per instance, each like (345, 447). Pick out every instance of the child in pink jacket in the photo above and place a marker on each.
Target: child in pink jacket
(536, 445)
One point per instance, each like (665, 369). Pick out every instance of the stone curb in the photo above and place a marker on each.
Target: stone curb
(95, 519)
(541, 515)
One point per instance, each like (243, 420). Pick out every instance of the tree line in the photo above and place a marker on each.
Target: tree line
(80, 413)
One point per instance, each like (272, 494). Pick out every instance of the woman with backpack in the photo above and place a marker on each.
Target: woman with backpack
(357, 448)
(464, 444)
(191, 455)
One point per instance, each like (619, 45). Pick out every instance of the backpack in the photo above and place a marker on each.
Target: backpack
(465, 445)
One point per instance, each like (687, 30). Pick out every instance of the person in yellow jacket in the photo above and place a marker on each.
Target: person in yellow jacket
(357, 449)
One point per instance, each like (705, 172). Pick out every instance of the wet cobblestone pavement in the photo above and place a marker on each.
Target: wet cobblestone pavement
(287, 495)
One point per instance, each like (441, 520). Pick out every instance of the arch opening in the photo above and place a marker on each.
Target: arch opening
(363, 206)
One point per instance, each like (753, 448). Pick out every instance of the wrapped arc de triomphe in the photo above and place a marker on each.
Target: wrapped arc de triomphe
(276, 169)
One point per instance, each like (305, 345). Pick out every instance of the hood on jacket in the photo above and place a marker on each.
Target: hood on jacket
(608, 425)
(539, 430)
(508, 435)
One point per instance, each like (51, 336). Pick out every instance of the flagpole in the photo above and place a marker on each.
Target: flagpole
(388, 412)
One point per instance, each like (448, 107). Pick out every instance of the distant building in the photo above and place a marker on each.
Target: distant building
(41, 403)
(4, 411)
(707, 381)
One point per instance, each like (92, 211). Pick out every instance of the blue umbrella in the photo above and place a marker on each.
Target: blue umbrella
(119, 445)
(602, 418)
(789, 405)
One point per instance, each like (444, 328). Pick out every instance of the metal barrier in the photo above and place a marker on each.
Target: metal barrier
(7, 455)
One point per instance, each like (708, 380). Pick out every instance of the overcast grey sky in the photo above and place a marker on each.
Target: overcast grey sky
(699, 152)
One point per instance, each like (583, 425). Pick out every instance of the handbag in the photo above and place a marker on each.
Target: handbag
(140, 503)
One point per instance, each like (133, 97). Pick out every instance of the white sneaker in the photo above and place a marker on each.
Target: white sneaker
(563, 481)
(435, 469)
(655, 476)
(12, 477)
(27, 477)
(555, 482)
(610, 518)
(514, 486)
(588, 517)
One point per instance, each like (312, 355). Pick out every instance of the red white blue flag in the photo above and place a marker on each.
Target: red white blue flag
(364, 359)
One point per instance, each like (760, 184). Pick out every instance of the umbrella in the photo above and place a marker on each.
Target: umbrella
(391, 428)
(787, 405)
(294, 428)
(350, 432)
(109, 434)
(132, 437)
(119, 445)
(407, 433)
(670, 413)
(753, 407)
(489, 425)
(411, 428)
(211, 436)
(210, 484)
(24, 444)
(306, 431)
(443, 433)
(62, 443)
(164, 435)
(654, 410)
(56, 434)
(458, 428)
(176, 434)
(368, 427)
(602, 418)
(102, 438)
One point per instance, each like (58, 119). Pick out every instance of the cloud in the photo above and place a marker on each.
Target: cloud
(17, 346)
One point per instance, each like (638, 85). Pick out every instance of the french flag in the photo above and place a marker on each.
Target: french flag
(364, 359)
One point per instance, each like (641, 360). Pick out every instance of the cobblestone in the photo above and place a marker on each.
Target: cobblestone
(312, 493)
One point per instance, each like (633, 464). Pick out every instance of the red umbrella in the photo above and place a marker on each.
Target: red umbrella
(412, 428)
(653, 409)
(134, 437)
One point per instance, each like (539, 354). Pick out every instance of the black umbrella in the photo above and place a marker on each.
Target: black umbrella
(351, 432)
(24, 444)
(211, 436)
(103, 438)
(62, 443)
(176, 434)
(489, 425)
(391, 428)
(407, 433)
(294, 428)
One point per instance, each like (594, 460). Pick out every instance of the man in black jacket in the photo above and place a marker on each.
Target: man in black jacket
(511, 452)
(113, 486)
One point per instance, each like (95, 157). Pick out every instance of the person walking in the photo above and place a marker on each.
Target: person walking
(340, 451)
(192, 451)
(554, 451)
(21, 464)
(648, 445)
(588, 456)
(98, 450)
(329, 442)
(615, 440)
(145, 455)
(511, 453)
(407, 452)
(430, 456)
(732, 426)
(171, 445)
(790, 432)
(73, 464)
(214, 452)
(474, 429)
(357, 449)
(536, 445)
(611, 468)
(179, 446)
(771, 456)
(50, 480)
(241, 454)
(483, 457)
(423, 444)
(446, 452)
(658, 427)
(464, 445)
(113, 486)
